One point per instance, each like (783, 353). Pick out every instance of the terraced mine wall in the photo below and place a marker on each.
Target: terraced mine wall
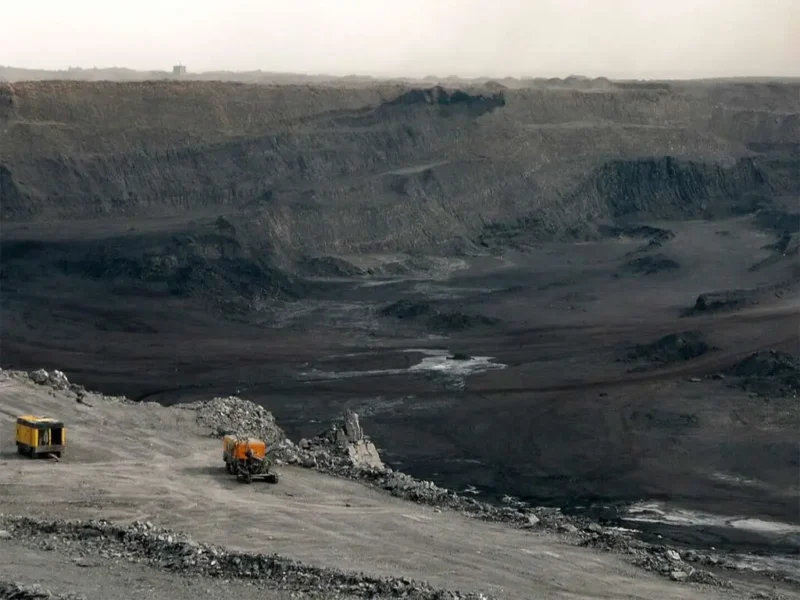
(389, 168)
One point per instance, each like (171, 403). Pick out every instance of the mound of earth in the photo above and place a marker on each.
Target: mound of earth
(457, 321)
(671, 348)
(769, 372)
(406, 309)
(437, 320)
(649, 265)
(476, 104)
(328, 266)
(723, 300)
(654, 234)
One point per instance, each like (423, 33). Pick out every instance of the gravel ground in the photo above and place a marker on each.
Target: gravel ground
(71, 577)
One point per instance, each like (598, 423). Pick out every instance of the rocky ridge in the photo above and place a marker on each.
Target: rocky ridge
(141, 542)
(15, 591)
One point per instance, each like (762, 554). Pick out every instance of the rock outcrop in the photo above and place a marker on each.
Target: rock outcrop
(769, 372)
(343, 446)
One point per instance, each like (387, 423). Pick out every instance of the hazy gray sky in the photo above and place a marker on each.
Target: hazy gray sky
(615, 38)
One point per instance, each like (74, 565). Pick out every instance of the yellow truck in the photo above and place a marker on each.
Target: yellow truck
(40, 436)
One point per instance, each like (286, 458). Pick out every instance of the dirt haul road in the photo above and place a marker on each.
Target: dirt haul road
(147, 462)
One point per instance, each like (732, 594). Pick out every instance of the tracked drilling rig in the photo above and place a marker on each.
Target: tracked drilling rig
(248, 459)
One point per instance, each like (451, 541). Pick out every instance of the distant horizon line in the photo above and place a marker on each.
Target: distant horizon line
(366, 75)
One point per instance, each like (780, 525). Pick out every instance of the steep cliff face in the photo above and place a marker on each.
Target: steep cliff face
(9, 191)
(203, 263)
(389, 168)
(668, 188)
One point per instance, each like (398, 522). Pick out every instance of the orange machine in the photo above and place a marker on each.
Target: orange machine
(247, 458)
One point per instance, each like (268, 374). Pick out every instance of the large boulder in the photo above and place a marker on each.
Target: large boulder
(55, 379)
(351, 427)
(364, 454)
(39, 376)
(58, 380)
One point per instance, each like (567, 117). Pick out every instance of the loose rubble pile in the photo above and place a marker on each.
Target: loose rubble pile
(58, 381)
(769, 372)
(15, 591)
(234, 416)
(175, 552)
(658, 559)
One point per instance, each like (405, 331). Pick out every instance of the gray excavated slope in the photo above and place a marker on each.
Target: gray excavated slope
(388, 168)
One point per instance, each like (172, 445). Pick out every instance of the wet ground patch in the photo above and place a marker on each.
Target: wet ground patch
(452, 370)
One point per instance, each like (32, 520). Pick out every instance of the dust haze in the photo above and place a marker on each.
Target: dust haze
(612, 38)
